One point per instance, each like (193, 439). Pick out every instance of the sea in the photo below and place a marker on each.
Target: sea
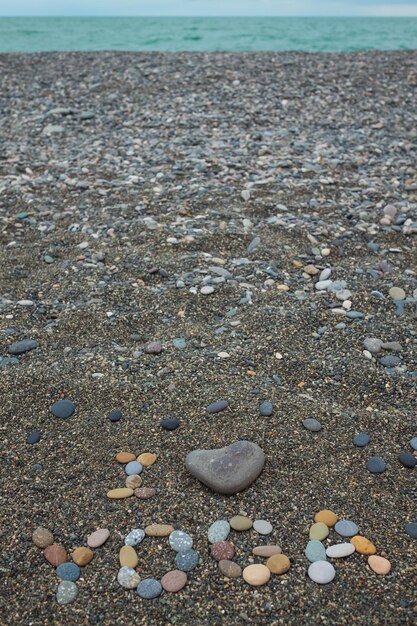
(207, 34)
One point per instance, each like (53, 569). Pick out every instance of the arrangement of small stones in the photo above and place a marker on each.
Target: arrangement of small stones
(323, 572)
(186, 559)
(133, 469)
(68, 571)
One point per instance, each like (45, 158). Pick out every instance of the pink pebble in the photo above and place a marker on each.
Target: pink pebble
(100, 536)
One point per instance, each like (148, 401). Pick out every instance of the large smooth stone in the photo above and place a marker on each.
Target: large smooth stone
(227, 470)
(23, 346)
(128, 578)
(256, 575)
(340, 550)
(218, 531)
(63, 408)
(315, 551)
(321, 572)
(346, 528)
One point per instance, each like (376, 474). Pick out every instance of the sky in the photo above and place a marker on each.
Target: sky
(378, 8)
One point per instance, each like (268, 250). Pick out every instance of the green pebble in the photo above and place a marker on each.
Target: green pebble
(48, 259)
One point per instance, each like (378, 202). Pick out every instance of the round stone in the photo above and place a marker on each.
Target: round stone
(135, 537)
(413, 443)
(312, 424)
(363, 545)
(206, 290)
(218, 531)
(180, 541)
(319, 531)
(98, 538)
(222, 550)
(321, 572)
(240, 522)
(315, 551)
(326, 517)
(216, 407)
(25, 345)
(187, 560)
(379, 565)
(42, 537)
(146, 459)
(63, 408)
(121, 492)
(346, 528)
(133, 482)
(266, 551)
(149, 588)
(407, 459)
(256, 575)
(159, 530)
(340, 550)
(361, 440)
(266, 408)
(133, 468)
(230, 569)
(278, 564)
(125, 457)
(55, 554)
(34, 437)
(128, 557)
(169, 424)
(115, 415)
(411, 529)
(144, 493)
(373, 345)
(128, 578)
(376, 465)
(67, 592)
(174, 581)
(68, 571)
(397, 293)
(82, 556)
(262, 526)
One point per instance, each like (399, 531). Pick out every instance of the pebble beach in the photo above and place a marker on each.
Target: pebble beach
(208, 301)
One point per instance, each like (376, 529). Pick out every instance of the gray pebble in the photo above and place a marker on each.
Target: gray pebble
(63, 408)
(149, 588)
(67, 592)
(407, 459)
(216, 407)
(376, 465)
(187, 560)
(19, 347)
(346, 528)
(135, 537)
(361, 440)
(180, 541)
(413, 443)
(390, 360)
(218, 531)
(312, 424)
(266, 408)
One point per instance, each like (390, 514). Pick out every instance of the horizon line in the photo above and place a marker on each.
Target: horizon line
(376, 17)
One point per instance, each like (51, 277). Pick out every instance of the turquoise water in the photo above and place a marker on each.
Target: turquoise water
(207, 34)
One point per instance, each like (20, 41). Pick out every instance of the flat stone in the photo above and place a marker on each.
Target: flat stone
(390, 361)
(346, 528)
(315, 551)
(34, 437)
(135, 537)
(340, 550)
(326, 517)
(68, 571)
(361, 440)
(128, 556)
(67, 592)
(397, 293)
(174, 581)
(256, 575)
(42, 537)
(115, 416)
(63, 408)
(321, 285)
(218, 531)
(55, 554)
(363, 545)
(159, 530)
(222, 550)
(266, 408)
(206, 290)
(180, 344)
(145, 493)
(227, 470)
(262, 526)
(216, 407)
(82, 556)
(407, 459)
(321, 572)
(240, 522)
(125, 457)
(180, 541)
(379, 565)
(373, 345)
(319, 531)
(146, 459)
(187, 560)
(149, 588)
(98, 538)
(393, 346)
(266, 551)
(19, 347)
(411, 529)
(230, 569)
(133, 482)
(154, 347)
(169, 424)
(278, 564)
(413, 443)
(311, 270)
(128, 578)
(312, 424)
(133, 468)
(376, 465)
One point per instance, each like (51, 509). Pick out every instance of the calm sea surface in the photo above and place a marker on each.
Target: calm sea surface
(207, 34)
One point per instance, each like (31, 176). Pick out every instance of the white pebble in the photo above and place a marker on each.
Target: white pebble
(340, 550)
(321, 572)
(206, 290)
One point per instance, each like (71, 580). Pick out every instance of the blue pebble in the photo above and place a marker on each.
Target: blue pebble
(63, 408)
(149, 588)
(407, 459)
(390, 360)
(34, 437)
(346, 528)
(312, 424)
(216, 407)
(187, 560)
(134, 467)
(411, 529)
(315, 551)
(355, 315)
(266, 408)
(361, 440)
(115, 415)
(169, 424)
(413, 443)
(179, 343)
(68, 571)
(376, 465)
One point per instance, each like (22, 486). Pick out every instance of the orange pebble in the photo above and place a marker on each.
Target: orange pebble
(327, 517)
(363, 545)
(125, 457)
(147, 459)
(379, 565)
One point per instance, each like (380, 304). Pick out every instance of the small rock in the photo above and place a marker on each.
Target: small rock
(206, 290)
(135, 537)
(218, 531)
(174, 581)
(42, 537)
(256, 575)
(82, 556)
(373, 345)
(363, 545)
(397, 293)
(413, 443)
(379, 565)
(125, 457)
(266, 551)
(315, 551)
(411, 529)
(133, 468)
(169, 424)
(266, 408)
(263, 527)
(407, 459)
(346, 528)
(63, 408)
(146, 459)
(128, 578)
(133, 481)
(128, 557)
(216, 407)
(321, 572)
(115, 415)
(376, 465)
(222, 550)
(68, 571)
(154, 347)
(187, 560)
(149, 588)
(55, 554)
(312, 424)
(98, 538)
(326, 517)
(67, 592)
(159, 530)
(361, 440)
(278, 564)
(19, 347)
(340, 550)
(230, 569)
(145, 493)
(240, 522)
(180, 541)
(311, 270)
